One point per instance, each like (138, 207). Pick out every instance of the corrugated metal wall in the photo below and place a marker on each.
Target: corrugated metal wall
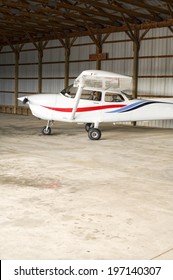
(155, 65)
(156, 68)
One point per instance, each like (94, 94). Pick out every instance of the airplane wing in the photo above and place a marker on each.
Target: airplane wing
(103, 80)
(98, 79)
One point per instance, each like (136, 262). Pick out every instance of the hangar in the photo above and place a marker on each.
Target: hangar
(63, 197)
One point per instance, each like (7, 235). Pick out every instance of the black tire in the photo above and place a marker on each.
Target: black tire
(46, 131)
(88, 126)
(94, 134)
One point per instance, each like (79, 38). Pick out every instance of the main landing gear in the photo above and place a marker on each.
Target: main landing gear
(46, 130)
(93, 132)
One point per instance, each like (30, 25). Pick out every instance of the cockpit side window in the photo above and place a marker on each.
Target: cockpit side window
(113, 97)
(96, 95)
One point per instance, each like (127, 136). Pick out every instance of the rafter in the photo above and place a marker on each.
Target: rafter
(45, 19)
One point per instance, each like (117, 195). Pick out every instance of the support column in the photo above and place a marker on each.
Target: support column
(16, 49)
(40, 60)
(16, 81)
(67, 43)
(66, 68)
(40, 46)
(136, 47)
(136, 38)
(99, 45)
(99, 41)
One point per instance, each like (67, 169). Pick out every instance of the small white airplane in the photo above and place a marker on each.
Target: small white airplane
(97, 97)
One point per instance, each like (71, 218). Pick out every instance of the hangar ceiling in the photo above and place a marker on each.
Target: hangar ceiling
(23, 21)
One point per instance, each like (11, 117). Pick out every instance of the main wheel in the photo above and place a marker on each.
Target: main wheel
(88, 126)
(94, 134)
(46, 130)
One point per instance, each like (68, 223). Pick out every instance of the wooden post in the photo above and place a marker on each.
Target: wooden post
(99, 41)
(66, 69)
(40, 59)
(134, 36)
(98, 61)
(40, 46)
(136, 47)
(16, 82)
(98, 50)
(16, 49)
(67, 44)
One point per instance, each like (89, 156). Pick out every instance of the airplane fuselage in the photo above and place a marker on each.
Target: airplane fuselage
(58, 107)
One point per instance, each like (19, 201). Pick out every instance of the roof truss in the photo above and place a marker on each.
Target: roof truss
(50, 19)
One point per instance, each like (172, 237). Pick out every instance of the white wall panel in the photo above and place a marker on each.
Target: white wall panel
(124, 67)
(118, 36)
(155, 86)
(27, 85)
(78, 67)
(53, 70)
(169, 66)
(7, 58)
(30, 56)
(28, 71)
(7, 71)
(6, 49)
(120, 50)
(81, 53)
(145, 66)
(28, 46)
(6, 98)
(168, 87)
(52, 85)
(7, 85)
(53, 43)
(83, 40)
(54, 54)
(161, 124)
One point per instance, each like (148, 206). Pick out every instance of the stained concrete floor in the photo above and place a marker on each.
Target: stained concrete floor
(66, 197)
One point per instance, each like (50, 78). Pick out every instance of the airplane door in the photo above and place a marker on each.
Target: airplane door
(97, 102)
(114, 101)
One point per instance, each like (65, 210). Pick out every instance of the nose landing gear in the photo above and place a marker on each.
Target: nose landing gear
(46, 130)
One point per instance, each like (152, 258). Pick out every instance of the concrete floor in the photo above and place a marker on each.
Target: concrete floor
(66, 197)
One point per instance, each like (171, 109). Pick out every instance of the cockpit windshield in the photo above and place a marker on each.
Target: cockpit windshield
(69, 91)
(128, 96)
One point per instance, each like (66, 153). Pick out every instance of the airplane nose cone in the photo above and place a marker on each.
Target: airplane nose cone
(24, 99)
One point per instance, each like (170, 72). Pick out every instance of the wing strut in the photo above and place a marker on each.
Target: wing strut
(77, 98)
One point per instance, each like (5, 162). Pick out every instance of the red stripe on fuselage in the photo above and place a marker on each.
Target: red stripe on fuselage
(85, 109)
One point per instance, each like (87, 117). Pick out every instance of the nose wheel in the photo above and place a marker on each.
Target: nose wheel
(46, 130)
